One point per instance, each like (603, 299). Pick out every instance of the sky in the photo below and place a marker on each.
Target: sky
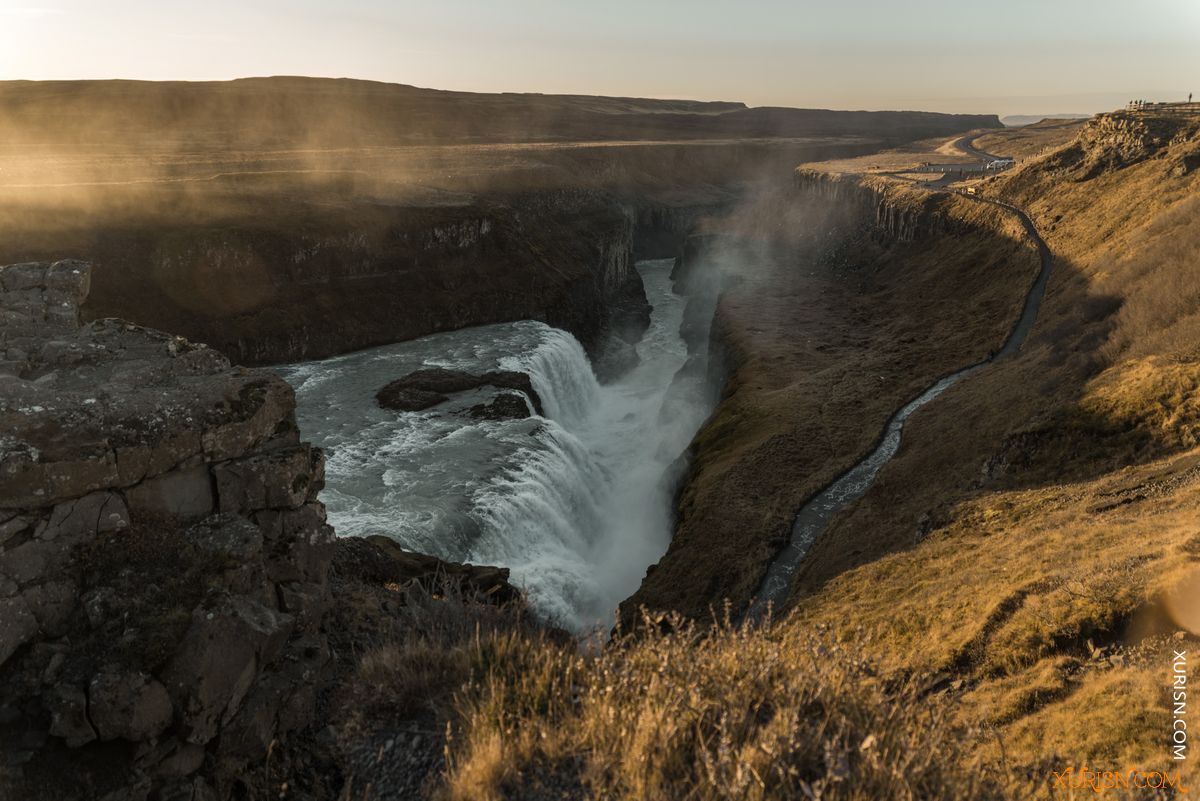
(1008, 57)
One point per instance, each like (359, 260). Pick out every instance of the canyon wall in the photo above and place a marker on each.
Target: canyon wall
(370, 275)
(841, 299)
(307, 280)
(395, 212)
(889, 210)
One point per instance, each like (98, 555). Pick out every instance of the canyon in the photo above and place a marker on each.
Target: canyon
(247, 214)
(703, 334)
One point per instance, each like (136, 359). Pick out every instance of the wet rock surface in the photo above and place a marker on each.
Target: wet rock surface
(626, 324)
(428, 387)
(508, 406)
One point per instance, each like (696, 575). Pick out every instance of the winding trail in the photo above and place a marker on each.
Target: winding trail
(966, 144)
(814, 516)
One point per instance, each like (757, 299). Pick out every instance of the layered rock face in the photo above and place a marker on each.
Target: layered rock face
(1121, 139)
(316, 281)
(169, 627)
(163, 556)
(895, 216)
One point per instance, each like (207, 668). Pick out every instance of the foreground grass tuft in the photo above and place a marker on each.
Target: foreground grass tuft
(694, 712)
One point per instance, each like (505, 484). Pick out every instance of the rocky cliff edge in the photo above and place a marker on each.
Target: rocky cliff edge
(164, 560)
(130, 458)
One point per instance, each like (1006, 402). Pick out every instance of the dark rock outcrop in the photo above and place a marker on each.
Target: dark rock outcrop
(1113, 141)
(379, 560)
(165, 564)
(628, 319)
(506, 406)
(316, 281)
(430, 386)
(163, 552)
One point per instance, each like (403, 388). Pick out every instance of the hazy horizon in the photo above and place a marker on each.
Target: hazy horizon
(934, 55)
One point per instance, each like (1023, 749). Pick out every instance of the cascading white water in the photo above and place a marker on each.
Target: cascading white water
(561, 374)
(573, 502)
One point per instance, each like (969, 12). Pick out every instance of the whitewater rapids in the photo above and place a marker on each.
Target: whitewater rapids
(574, 503)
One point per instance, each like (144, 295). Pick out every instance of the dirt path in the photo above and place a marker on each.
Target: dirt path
(966, 145)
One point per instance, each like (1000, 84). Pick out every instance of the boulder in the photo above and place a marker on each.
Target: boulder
(180, 759)
(227, 643)
(51, 605)
(128, 705)
(68, 715)
(282, 700)
(430, 386)
(29, 561)
(379, 560)
(22, 277)
(280, 479)
(302, 545)
(17, 626)
(230, 537)
(80, 519)
(405, 399)
(13, 524)
(181, 494)
(507, 406)
(252, 412)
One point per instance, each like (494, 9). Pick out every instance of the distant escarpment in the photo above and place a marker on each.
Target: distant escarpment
(283, 112)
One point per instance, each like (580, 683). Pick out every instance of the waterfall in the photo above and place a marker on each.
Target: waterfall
(573, 503)
(561, 374)
(542, 516)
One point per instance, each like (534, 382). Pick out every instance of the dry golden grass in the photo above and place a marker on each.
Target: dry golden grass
(1160, 313)
(712, 713)
(1029, 140)
(1040, 510)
